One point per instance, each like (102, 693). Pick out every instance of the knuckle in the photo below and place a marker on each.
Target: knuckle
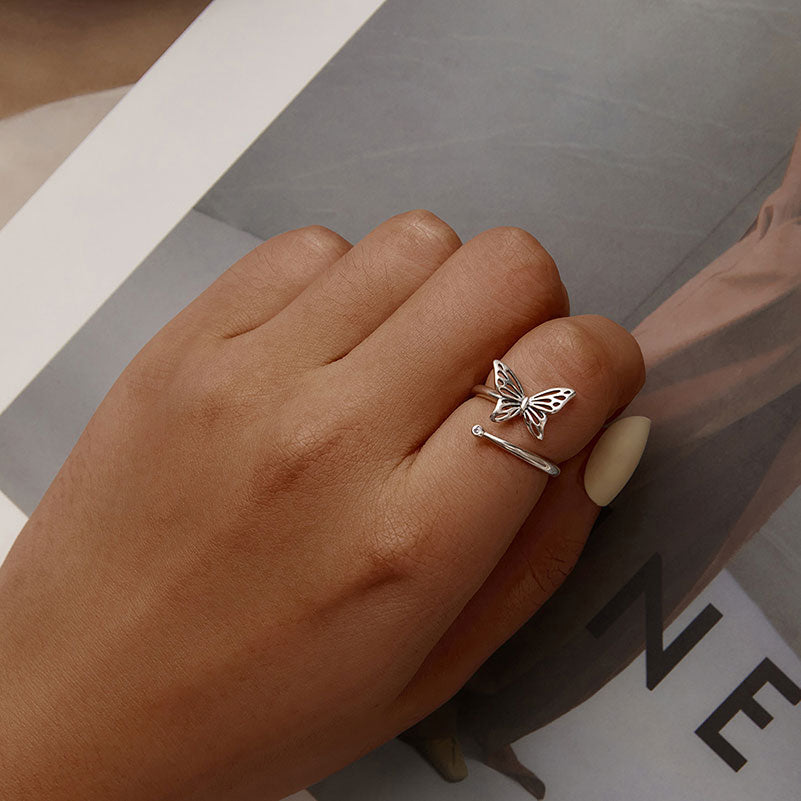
(150, 373)
(200, 398)
(428, 230)
(517, 244)
(261, 267)
(320, 239)
(205, 396)
(399, 548)
(529, 270)
(310, 440)
(254, 271)
(516, 238)
(316, 443)
(587, 357)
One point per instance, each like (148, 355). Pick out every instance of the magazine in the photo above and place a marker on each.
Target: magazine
(649, 146)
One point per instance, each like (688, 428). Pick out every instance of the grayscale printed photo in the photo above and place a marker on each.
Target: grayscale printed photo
(652, 148)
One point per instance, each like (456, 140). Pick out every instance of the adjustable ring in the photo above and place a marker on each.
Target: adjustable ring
(529, 458)
(511, 400)
(483, 391)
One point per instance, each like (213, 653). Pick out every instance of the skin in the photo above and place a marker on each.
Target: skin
(277, 544)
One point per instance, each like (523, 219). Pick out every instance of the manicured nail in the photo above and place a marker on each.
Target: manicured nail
(614, 458)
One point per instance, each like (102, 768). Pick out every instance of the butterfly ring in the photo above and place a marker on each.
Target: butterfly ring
(512, 401)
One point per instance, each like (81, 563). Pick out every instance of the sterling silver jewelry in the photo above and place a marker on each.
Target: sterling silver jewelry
(530, 458)
(513, 401)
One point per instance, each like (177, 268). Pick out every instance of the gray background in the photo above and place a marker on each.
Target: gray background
(620, 132)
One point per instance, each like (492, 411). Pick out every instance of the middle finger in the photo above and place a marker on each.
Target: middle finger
(425, 358)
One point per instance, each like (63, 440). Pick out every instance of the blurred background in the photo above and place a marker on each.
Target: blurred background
(64, 64)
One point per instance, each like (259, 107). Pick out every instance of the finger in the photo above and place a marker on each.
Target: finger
(540, 558)
(483, 495)
(441, 341)
(348, 302)
(265, 280)
(536, 563)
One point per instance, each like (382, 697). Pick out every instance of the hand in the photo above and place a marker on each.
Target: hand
(277, 544)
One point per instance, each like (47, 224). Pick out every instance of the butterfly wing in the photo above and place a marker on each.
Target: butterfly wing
(506, 382)
(550, 401)
(534, 420)
(510, 390)
(505, 409)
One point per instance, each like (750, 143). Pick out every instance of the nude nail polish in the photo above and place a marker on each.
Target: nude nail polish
(615, 457)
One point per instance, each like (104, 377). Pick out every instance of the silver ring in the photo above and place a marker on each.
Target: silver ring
(511, 400)
(529, 458)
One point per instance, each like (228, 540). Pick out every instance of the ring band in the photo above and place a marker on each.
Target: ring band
(485, 392)
(529, 458)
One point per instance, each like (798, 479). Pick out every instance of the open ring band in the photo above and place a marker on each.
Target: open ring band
(530, 458)
(485, 392)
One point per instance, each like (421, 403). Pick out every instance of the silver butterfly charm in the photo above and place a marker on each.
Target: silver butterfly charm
(533, 409)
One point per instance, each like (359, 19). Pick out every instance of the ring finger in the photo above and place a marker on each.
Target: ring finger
(482, 494)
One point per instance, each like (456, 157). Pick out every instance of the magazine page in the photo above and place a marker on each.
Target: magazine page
(649, 147)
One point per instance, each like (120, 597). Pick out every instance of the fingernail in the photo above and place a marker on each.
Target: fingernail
(614, 458)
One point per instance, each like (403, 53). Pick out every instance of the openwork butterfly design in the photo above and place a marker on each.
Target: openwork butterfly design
(533, 409)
